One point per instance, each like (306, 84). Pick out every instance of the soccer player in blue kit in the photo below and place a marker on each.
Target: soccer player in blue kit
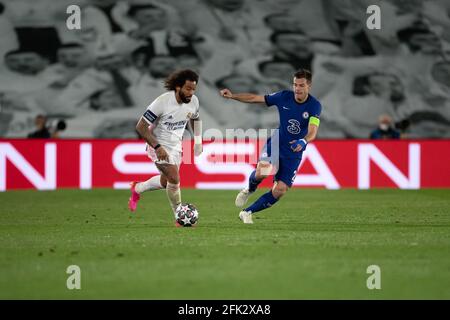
(299, 123)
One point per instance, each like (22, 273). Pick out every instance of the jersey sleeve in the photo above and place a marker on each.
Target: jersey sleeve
(273, 98)
(154, 110)
(315, 114)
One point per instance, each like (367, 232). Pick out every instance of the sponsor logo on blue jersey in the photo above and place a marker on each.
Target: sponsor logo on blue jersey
(294, 127)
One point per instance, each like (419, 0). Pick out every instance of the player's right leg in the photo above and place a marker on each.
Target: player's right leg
(263, 170)
(154, 183)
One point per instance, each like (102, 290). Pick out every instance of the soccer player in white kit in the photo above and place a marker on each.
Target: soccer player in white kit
(162, 127)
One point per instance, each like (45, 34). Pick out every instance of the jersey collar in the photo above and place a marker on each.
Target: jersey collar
(302, 103)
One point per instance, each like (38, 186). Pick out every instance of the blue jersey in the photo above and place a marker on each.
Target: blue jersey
(294, 118)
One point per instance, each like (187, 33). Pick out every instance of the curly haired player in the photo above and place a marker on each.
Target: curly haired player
(162, 127)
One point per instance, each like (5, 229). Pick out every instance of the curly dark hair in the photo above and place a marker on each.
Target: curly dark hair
(179, 78)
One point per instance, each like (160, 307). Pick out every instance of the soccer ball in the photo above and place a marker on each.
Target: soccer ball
(186, 215)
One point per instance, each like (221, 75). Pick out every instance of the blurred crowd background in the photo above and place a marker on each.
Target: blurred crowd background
(97, 81)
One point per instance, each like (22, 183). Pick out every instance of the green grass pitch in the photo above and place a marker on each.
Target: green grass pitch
(314, 244)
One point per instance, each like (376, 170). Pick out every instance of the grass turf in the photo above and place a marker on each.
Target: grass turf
(314, 244)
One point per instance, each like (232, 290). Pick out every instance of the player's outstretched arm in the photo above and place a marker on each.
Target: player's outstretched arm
(242, 97)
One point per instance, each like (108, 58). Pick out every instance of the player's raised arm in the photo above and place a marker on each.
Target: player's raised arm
(242, 97)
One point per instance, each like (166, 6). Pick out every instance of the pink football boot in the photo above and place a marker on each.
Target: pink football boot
(132, 202)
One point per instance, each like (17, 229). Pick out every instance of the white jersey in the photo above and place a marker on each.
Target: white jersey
(170, 119)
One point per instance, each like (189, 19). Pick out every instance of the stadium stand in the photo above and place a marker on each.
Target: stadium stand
(100, 78)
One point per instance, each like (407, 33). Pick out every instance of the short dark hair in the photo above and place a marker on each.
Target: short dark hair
(303, 73)
(179, 78)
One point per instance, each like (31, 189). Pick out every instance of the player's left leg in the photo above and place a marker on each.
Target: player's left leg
(170, 172)
(284, 179)
(267, 200)
(265, 167)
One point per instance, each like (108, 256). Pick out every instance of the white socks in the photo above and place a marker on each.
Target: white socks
(174, 195)
(154, 183)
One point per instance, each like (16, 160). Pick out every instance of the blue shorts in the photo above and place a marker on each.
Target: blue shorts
(285, 167)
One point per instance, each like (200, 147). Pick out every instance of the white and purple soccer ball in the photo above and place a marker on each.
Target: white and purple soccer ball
(186, 215)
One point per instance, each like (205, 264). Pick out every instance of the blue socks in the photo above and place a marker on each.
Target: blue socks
(265, 201)
(252, 182)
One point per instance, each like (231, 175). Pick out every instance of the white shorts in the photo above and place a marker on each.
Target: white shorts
(174, 156)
